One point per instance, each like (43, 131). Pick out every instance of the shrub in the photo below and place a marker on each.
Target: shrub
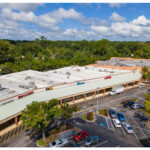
(85, 116)
(103, 112)
(90, 116)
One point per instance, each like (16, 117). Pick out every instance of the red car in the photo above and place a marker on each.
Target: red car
(108, 77)
(81, 135)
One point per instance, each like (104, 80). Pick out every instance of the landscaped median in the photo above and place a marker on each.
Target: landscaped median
(90, 116)
(103, 112)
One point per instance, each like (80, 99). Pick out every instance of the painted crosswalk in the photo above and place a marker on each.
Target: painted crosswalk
(11, 134)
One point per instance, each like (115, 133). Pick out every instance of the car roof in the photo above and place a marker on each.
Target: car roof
(93, 137)
(136, 104)
(120, 113)
(117, 120)
(84, 131)
(127, 124)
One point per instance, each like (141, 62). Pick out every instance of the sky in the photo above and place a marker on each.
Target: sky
(76, 21)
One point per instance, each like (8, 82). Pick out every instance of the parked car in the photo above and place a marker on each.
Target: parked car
(112, 113)
(59, 143)
(141, 85)
(80, 135)
(136, 106)
(91, 140)
(129, 103)
(121, 116)
(116, 123)
(137, 115)
(141, 117)
(127, 127)
(144, 118)
(76, 145)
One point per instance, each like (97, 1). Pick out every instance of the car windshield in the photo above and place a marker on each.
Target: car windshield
(89, 139)
(113, 112)
(79, 134)
(53, 143)
(60, 141)
(129, 128)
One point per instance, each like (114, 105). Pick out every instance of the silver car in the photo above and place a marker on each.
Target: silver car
(127, 127)
(58, 143)
(136, 106)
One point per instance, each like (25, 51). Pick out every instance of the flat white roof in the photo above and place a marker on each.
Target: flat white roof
(55, 77)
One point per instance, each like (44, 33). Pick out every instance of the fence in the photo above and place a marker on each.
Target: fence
(67, 134)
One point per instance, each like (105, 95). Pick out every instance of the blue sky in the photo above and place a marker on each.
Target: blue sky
(64, 21)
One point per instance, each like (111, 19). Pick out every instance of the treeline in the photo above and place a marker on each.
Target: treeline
(42, 54)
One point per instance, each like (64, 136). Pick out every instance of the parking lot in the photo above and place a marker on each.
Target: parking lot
(110, 136)
(140, 131)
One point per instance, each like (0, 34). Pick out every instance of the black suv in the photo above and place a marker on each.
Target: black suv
(129, 103)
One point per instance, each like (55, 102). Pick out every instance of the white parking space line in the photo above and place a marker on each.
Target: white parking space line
(135, 135)
(101, 143)
(123, 131)
(107, 123)
(133, 131)
(146, 130)
(141, 130)
(112, 125)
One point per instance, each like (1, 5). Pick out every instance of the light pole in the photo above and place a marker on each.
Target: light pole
(97, 97)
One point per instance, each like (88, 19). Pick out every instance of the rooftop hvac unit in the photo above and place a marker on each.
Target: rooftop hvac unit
(28, 77)
(24, 86)
(68, 73)
(78, 70)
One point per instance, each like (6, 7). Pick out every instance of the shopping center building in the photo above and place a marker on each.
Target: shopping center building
(70, 84)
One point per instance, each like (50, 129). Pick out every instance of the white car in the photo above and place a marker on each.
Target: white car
(58, 143)
(127, 127)
(116, 123)
(136, 106)
(141, 85)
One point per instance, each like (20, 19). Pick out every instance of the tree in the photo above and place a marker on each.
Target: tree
(146, 73)
(67, 111)
(147, 104)
(38, 115)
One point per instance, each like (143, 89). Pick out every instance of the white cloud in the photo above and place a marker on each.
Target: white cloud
(125, 30)
(141, 20)
(117, 5)
(12, 26)
(48, 20)
(100, 29)
(116, 17)
(20, 16)
(21, 6)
